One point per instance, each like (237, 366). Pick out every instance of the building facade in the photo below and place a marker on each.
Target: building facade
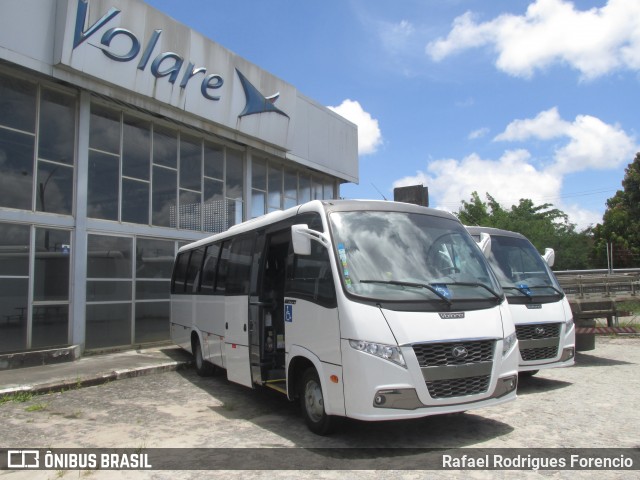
(123, 136)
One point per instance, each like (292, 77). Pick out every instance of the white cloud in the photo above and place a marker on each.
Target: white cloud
(395, 36)
(369, 135)
(546, 125)
(507, 179)
(592, 143)
(595, 41)
(479, 133)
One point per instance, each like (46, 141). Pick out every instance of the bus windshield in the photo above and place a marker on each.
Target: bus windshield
(520, 269)
(400, 256)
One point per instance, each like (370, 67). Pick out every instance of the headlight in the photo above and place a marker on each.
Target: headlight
(387, 352)
(568, 324)
(508, 343)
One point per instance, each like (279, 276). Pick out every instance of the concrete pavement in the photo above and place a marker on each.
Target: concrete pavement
(92, 370)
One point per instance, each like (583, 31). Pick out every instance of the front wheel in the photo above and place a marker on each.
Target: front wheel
(203, 368)
(312, 403)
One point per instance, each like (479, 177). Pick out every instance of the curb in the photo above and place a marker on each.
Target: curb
(62, 385)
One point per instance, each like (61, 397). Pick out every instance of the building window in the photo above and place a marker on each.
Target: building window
(136, 160)
(276, 188)
(17, 141)
(154, 263)
(50, 315)
(48, 311)
(144, 173)
(258, 187)
(290, 188)
(190, 183)
(56, 147)
(109, 291)
(104, 164)
(14, 286)
(234, 193)
(274, 198)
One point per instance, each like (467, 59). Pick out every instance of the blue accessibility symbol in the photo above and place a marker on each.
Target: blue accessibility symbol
(288, 312)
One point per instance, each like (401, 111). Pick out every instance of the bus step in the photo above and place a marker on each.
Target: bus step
(277, 385)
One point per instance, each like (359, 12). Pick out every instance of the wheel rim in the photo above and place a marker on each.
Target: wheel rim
(313, 401)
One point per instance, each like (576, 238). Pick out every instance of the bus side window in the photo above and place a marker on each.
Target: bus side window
(223, 265)
(239, 266)
(180, 272)
(193, 272)
(208, 277)
(310, 277)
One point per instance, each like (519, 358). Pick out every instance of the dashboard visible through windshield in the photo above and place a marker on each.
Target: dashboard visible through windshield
(404, 257)
(522, 272)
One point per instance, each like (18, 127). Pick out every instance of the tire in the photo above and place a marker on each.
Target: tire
(203, 368)
(528, 373)
(312, 404)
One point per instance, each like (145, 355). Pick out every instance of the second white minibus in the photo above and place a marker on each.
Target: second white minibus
(539, 307)
(364, 309)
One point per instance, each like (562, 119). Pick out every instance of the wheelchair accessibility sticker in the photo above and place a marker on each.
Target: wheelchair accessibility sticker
(288, 312)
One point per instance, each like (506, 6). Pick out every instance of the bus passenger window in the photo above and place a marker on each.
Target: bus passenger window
(194, 270)
(239, 266)
(207, 280)
(223, 264)
(180, 272)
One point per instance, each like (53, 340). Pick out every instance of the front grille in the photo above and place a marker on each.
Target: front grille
(538, 331)
(440, 354)
(458, 387)
(539, 353)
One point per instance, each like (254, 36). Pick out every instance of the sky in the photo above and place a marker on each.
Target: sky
(532, 99)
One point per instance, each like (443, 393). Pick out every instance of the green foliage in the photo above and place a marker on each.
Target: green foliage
(620, 226)
(543, 225)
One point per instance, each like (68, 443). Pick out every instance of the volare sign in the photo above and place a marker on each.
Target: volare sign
(165, 64)
(148, 55)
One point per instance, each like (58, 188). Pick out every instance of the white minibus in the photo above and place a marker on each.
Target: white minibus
(371, 310)
(539, 307)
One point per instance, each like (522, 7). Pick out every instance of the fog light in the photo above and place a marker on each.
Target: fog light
(567, 354)
(379, 400)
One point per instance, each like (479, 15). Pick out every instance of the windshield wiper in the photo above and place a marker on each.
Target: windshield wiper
(473, 284)
(523, 291)
(527, 291)
(411, 284)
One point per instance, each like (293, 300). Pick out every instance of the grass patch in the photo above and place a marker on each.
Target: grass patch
(18, 397)
(37, 407)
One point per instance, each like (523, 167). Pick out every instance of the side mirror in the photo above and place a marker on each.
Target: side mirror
(301, 239)
(301, 236)
(485, 243)
(549, 256)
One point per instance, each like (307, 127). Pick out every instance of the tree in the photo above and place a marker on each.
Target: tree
(543, 225)
(620, 228)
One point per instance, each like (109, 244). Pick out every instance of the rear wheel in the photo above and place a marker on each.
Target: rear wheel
(203, 368)
(312, 403)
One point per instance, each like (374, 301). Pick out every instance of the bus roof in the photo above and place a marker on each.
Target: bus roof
(319, 206)
(493, 231)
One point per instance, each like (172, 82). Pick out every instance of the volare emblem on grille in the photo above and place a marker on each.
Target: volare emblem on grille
(539, 331)
(459, 352)
(450, 315)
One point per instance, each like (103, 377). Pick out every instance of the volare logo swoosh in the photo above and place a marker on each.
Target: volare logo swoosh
(256, 102)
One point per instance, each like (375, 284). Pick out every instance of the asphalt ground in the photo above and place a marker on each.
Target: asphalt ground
(594, 404)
